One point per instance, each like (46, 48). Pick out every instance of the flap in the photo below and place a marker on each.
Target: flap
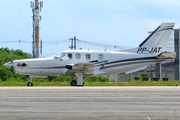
(85, 67)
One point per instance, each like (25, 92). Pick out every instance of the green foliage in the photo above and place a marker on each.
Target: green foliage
(5, 73)
(143, 74)
(13, 82)
(62, 79)
(96, 79)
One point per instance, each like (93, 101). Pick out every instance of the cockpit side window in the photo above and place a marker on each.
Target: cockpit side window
(66, 56)
(69, 56)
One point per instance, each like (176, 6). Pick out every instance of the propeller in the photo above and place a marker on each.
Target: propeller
(11, 62)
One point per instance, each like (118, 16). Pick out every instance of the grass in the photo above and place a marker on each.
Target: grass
(109, 83)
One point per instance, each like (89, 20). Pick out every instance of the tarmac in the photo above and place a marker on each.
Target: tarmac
(90, 103)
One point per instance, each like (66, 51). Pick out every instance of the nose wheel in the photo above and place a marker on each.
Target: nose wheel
(30, 84)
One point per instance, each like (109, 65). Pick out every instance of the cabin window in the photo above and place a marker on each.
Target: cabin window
(78, 56)
(88, 56)
(100, 56)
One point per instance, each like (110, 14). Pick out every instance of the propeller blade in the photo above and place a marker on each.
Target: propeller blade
(12, 66)
(11, 71)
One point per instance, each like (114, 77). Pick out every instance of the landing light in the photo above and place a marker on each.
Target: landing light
(22, 64)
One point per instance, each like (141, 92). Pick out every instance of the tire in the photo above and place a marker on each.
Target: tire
(30, 84)
(73, 83)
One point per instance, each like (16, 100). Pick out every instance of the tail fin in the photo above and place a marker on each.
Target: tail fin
(157, 40)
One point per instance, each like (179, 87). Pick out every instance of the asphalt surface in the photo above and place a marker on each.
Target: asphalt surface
(90, 103)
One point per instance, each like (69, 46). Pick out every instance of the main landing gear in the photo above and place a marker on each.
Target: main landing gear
(73, 83)
(30, 84)
(80, 80)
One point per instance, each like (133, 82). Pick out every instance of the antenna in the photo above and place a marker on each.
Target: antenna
(36, 8)
(105, 49)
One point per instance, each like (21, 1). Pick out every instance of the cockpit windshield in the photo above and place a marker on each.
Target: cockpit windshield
(57, 56)
(63, 56)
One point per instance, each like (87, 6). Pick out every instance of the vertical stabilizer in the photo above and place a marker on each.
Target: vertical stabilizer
(157, 40)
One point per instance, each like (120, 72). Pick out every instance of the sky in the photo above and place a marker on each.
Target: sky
(112, 22)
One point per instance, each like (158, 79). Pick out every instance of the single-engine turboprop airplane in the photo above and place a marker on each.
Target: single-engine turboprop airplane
(88, 63)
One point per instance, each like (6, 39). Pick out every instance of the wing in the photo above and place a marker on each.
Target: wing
(86, 68)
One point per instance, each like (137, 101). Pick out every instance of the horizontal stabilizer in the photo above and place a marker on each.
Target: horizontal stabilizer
(167, 55)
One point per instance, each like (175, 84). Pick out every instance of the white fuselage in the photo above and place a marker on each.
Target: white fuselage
(105, 62)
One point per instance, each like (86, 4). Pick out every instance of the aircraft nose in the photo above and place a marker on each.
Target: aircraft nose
(8, 64)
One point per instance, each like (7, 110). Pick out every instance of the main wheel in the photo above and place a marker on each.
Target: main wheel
(73, 83)
(30, 84)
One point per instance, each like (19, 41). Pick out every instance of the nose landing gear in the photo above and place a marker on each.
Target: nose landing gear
(30, 84)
